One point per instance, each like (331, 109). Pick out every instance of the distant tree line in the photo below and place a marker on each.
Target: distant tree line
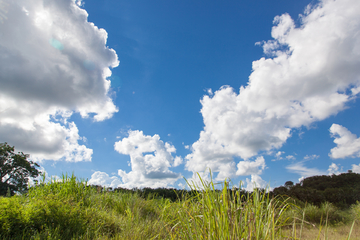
(341, 190)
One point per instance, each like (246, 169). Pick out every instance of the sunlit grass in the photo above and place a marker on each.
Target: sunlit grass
(70, 209)
(226, 214)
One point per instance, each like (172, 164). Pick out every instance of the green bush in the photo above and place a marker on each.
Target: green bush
(327, 213)
(355, 210)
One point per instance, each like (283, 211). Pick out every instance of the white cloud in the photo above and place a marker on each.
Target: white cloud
(355, 168)
(103, 179)
(290, 157)
(177, 161)
(303, 80)
(256, 182)
(53, 62)
(150, 161)
(310, 157)
(251, 167)
(278, 154)
(334, 169)
(303, 171)
(80, 3)
(347, 144)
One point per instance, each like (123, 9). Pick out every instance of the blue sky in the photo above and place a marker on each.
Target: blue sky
(144, 93)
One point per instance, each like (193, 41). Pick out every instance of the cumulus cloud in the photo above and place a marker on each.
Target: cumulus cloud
(355, 168)
(251, 167)
(310, 73)
(256, 182)
(347, 144)
(53, 62)
(150, 160)
(103, 179)
(334, 169)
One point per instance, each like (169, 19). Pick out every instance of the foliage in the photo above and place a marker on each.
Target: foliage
(15, 170)
(341, 190)
(71, 209)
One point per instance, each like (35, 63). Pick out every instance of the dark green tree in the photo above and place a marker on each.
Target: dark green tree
(15, 170)
(289, 184)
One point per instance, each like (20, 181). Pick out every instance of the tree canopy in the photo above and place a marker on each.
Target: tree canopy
(15, 170)
(342, 190)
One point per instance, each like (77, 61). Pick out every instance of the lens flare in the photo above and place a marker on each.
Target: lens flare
(4, 6)
(56, 44)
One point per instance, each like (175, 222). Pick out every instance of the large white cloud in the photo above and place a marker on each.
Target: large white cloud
(53, 62)
(305, 78)
(348, 145)
(150, 160)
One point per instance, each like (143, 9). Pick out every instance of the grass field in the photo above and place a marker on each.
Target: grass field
(69, 209)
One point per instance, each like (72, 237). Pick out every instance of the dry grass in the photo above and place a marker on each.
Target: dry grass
(327, 233)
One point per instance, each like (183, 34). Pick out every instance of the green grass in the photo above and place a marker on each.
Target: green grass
(70, 209)
(211, 214)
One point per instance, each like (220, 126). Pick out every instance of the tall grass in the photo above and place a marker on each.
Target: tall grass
(70, 209)
(226, 214)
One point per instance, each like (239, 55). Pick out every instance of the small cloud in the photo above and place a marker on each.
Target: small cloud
(186, 146)
(311, 157)
(334, 169)
(80, 3)
(278, 154)
(209, 91)
(178, 160)
(290, 157)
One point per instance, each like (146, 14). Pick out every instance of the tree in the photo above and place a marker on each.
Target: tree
(289, 184)
(15, 170)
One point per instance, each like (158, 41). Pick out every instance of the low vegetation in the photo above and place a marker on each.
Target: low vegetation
(71, 209)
